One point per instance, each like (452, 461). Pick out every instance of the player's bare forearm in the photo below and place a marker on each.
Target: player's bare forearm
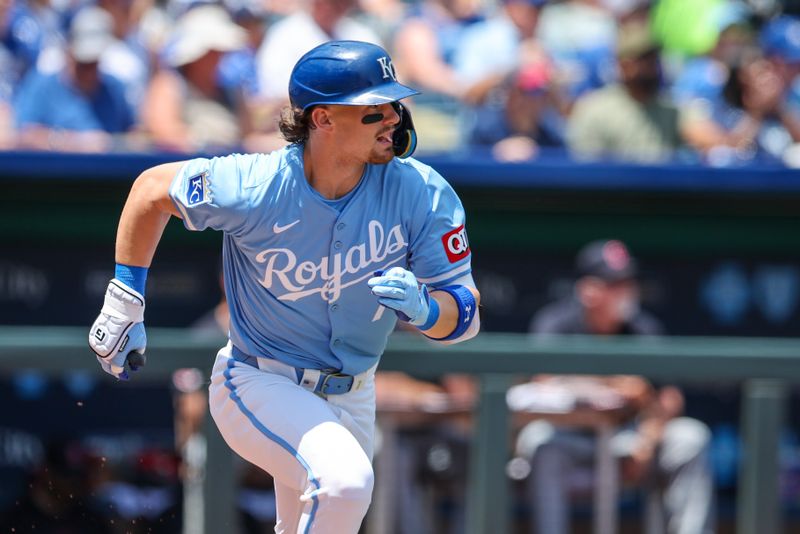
(145, 216)
(448, 313)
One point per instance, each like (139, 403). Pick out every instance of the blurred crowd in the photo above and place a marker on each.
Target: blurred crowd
(646, 81)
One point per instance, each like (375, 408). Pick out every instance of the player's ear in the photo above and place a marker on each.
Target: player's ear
(321, 117)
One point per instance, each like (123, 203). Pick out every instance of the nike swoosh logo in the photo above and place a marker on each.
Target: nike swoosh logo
(280, 229)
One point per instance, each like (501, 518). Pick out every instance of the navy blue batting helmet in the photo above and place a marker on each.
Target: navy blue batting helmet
(345, 72)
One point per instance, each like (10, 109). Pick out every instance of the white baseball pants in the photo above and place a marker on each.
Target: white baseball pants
(318, 451)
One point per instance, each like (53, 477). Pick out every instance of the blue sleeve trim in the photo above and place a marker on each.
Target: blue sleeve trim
(134, 277)
(467, 309)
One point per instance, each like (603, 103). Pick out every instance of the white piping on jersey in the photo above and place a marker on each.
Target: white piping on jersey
(445, 276)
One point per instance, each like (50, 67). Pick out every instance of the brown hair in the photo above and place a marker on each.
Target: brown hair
(295, 124)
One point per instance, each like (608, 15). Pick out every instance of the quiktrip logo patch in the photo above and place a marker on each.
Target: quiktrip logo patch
(198, 192)
(456, 245)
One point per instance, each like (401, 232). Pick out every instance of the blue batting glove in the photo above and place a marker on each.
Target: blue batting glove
(117, 336)
(399, 290)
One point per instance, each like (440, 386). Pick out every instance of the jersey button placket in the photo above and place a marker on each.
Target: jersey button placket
(333, 307)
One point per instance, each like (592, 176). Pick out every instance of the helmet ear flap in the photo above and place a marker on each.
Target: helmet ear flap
(404, 139)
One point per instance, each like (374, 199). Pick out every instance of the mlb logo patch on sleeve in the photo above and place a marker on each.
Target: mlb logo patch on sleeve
(455, 244)
(198, 192)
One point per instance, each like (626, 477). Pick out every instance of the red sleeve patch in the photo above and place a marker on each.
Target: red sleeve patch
(455, 244)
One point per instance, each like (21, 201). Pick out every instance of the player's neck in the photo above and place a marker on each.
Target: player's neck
(331, 175)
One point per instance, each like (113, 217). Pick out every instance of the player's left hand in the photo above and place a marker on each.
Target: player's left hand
(399, 290)
(117, 336)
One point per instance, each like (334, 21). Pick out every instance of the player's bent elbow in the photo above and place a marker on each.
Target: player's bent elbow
(469, 333)
(151, 187)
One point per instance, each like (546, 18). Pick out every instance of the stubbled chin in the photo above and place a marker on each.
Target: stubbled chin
(381, 157)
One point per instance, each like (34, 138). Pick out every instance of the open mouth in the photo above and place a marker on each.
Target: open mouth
(385, 138)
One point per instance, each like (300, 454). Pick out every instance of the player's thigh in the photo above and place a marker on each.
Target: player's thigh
(356, 411)
(285, 430)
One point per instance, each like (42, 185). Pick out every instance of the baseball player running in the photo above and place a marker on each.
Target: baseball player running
(327, 242)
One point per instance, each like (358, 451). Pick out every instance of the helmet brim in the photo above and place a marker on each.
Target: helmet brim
(371, 96)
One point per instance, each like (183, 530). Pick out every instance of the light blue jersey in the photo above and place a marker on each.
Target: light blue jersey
(296, 266)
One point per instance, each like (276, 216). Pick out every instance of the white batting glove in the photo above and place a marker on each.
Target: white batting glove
(117, 336)
(399, 290)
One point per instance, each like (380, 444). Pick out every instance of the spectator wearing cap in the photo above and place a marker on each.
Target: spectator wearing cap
(485, 72)
(237, 70)
(238, 77)
(185, 107)
(756, 115)
(703, 77)
(34, 34)
(579, 36)
(127, 58)
(427, 40)
(521, 114)
(780, 41)
(425, 44)
(480, 67)
(658, 450)
(630, 120)
(286, 41)
(78, 108)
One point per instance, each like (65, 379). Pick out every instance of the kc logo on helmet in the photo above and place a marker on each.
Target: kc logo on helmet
(455, 244)
(387, 68)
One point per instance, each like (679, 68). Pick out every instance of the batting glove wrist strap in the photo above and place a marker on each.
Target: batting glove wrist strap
(122, 302)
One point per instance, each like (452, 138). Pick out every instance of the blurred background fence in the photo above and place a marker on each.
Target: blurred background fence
(763, 368)
(718, 252)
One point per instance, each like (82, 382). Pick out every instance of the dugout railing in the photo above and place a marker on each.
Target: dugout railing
(765, 368)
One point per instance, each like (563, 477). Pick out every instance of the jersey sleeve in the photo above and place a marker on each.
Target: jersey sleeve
(211, 193)
(439, 250)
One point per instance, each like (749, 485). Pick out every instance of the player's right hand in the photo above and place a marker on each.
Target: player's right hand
(117, 336)
(399, 290)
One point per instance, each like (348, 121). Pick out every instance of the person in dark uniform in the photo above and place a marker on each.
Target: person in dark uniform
(606, 297)
(657, 448)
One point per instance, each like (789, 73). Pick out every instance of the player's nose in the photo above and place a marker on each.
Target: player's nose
(390, 115)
